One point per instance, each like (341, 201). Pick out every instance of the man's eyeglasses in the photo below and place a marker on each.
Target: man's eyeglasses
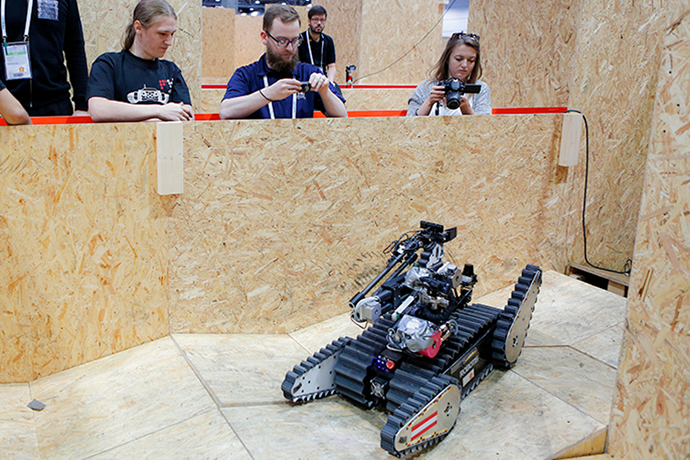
(463, 35)
(284, 42)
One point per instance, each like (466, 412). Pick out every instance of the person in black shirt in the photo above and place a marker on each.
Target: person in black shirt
(317, 48)
(55, 37)
(136, 84)
(10, 108)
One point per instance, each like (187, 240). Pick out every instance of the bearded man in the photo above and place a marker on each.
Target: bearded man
(317, 48)
(274, 86)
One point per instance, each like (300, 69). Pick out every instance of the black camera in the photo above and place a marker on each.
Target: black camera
(455, 89)
(306, 87)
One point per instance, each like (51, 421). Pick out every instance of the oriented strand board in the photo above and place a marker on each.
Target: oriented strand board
(528, 50)
(218, 47)
(618, 104)
(280, 225)
(415, 33)
(357, 99)
(376, 99)
(83, 248)
(104, 24)
(651, 417)
(343, 25)
(248, 46)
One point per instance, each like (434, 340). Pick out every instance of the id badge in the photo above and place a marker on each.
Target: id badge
(48, 9)
(17, 61)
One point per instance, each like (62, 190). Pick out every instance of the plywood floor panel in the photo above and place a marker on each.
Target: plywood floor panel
(218, 396)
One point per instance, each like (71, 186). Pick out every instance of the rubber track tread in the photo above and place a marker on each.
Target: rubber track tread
(408, 410)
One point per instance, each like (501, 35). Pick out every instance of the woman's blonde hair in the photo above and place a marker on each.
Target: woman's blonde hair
(147, 13)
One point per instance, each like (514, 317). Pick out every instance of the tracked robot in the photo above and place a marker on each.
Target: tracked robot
(425, 347)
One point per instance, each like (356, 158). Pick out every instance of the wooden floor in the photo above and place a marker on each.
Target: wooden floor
(218, 396)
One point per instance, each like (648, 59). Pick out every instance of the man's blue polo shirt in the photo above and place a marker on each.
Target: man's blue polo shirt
(250, 78)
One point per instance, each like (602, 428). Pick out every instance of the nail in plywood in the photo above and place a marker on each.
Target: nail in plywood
(571, 136)
(170, 164)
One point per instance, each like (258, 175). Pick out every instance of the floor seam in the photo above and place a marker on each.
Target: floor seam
(148, 434)
(211, 393)
(559, 398)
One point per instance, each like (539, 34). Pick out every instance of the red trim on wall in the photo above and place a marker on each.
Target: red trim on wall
(352, 113)
(527, 110)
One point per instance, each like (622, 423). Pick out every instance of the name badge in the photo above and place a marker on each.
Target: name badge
(48, 9)
(17, 61)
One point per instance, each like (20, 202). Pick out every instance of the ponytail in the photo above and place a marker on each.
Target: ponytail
(147, 12)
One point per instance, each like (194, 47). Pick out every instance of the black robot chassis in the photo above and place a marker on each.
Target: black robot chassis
(426, 346)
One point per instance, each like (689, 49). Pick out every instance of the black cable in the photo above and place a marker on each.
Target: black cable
(413, 46)
(628, 263)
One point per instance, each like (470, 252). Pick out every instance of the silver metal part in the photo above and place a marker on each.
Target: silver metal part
(316, 382)
(436, 419)
(367, 309)
(436, 255)
(452, 272)
(412, 333)
(414, 275)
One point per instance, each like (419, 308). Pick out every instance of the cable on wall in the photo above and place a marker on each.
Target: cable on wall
(628, 263)
(413, 46)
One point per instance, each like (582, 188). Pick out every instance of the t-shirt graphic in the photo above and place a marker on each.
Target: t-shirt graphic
(150, 95)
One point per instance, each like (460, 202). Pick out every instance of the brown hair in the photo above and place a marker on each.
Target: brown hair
(317, 10)
(440, 71)
(285, 13)
(147, 13)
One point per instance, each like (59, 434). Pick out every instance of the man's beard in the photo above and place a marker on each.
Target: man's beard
(279, 64)
(314, 30)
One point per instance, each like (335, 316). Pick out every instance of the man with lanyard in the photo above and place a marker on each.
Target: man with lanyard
(318, 48)
(272, 87)
(37, 37)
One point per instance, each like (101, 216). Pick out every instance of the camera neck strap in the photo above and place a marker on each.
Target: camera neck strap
(270, 104)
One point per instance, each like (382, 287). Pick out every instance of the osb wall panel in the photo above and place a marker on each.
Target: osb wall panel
(343, 24)
(651, 417)
(376, 99)
(357, 99)
(218, 52)
(248, 46)
(618, 104)
(83, 258)
(210, 100)
(104, 24)
(384, 41)
(280, 225)
(528, 50)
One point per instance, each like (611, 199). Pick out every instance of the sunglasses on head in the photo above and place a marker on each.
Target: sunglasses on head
(463, 35)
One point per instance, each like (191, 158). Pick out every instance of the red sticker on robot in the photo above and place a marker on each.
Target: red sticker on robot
(424, 426)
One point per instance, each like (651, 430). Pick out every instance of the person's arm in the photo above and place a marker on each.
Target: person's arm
(482, 102)
(180, 92)
(243, 106)
(333, 106)
(329, 58)
(424, 98)
(105, 110)
(331, 72)
(11, 110)
(75, 57)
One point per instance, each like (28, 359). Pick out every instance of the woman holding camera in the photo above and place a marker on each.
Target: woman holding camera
(459, 65)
